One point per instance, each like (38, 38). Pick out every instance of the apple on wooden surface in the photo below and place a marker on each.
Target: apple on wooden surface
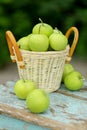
(73, 81)
(39, 42)
(58, 41)
(67, 69)
(23, 87)
(42, 28)
(38, 101)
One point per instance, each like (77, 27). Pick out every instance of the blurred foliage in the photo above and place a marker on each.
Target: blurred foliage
(21, 16)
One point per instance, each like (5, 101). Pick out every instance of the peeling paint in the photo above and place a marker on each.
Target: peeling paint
(66, 107)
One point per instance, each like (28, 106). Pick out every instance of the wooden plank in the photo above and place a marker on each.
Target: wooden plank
(10, 123)
(67, 111)
(81, 94)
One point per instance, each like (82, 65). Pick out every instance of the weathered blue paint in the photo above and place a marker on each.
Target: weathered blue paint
(7, 123)
(67, 111)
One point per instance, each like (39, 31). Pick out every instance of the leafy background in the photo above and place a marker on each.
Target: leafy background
(21, 16)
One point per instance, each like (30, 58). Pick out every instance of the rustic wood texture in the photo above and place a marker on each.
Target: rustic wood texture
(67, 111)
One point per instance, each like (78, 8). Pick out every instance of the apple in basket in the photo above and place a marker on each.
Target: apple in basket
(38, 101)
(42, 28)
(39, 42)
(73, 80)
(56, 30)
(58, 41)
(23, 42)
(23, 87)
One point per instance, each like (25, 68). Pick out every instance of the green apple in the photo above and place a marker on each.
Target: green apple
(67, 69)
(58, 41)
(23, 42)
(39, 42)
(56, 30)
(38, 101)
(73, 81)
(42, 28)
(23, 87)
(77, 73)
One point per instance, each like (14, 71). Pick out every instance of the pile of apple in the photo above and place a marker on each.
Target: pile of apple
(37, 100)
(72, 79)
(43, 38)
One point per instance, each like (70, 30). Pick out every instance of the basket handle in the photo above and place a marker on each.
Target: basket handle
(12, 44)
(74, 43)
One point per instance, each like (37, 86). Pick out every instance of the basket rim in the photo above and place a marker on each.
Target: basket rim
(46, 52)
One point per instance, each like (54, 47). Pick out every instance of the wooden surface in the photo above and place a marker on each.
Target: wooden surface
(67, 111)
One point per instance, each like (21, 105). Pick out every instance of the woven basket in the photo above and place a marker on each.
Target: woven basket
(44, 68)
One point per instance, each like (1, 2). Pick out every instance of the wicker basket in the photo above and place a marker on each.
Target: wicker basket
(44, 68)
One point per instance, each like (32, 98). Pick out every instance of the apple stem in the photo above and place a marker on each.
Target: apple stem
(42, 24)
(57, 29)
(41, 21)
(23, 79)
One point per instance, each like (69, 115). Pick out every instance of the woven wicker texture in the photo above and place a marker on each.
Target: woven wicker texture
(44, 68)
